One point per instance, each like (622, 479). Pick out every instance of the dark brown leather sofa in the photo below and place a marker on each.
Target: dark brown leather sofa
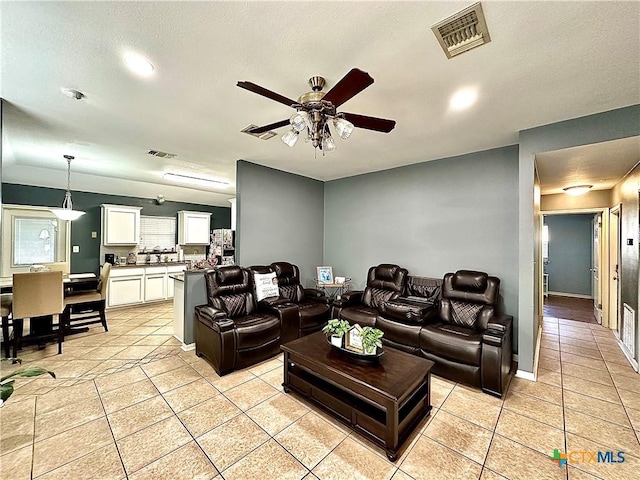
(231, 332)
(462, 332)
(384, 282)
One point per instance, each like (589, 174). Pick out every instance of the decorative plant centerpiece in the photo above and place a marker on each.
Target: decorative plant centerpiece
(371, 339)
(336, 329)
(6, 382)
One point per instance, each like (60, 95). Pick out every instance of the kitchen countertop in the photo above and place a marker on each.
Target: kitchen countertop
(153, 264)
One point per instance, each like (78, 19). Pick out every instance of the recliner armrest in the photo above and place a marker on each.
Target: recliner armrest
(497, 328)
(500, 323)
(214, 317)
(270, 302)
(353, 297)
(315, 295)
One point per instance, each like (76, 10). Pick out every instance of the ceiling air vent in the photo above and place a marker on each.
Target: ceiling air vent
(463, 31)
(158, 153)
(262, 136)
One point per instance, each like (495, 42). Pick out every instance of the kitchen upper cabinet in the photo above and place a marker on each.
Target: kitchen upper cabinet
(194, 228)
(120, 225)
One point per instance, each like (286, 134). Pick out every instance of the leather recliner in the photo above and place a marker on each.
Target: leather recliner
(469, 342)
(384, 282)
(230, 331)
(313, 306)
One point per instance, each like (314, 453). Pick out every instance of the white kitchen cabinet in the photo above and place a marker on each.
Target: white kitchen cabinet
(126, 287)
(155, 281)
(194, 228)
(120, 225)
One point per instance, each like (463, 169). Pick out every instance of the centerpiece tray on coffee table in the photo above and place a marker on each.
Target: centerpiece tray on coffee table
(363, 357)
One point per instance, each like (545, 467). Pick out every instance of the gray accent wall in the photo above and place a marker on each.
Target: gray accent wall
(601, 127)
(431, 218)
(280, 218)
(570, 253)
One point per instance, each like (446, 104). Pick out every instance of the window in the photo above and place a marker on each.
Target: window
(34, 241)
(158, 232)
(32, 235)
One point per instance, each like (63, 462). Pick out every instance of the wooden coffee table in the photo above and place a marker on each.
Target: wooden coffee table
(383, 401)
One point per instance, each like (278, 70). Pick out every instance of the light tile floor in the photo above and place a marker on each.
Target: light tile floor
(131, 404)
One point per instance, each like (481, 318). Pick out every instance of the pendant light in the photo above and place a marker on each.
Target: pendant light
(67, 212)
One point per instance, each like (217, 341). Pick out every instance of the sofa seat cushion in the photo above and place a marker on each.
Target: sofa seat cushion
(256, 329)
(313, 314)
(365, 316)
(460, 344)
(407, 334)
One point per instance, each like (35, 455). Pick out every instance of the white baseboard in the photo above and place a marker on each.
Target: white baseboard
(189, 347)
(575, 295)
(532, 376)
(525, 375)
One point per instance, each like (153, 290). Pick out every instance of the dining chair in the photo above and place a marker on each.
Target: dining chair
(36, 295)
(86, 308)
(6, 303)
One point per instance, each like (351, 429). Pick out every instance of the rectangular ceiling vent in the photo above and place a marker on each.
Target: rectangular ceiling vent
(262, 136)
(463, 31)
(158, 153)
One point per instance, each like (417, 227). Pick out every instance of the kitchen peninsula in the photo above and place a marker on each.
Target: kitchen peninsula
(189, 290)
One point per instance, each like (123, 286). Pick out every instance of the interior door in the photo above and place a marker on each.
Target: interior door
(614, 269)
(595, 269)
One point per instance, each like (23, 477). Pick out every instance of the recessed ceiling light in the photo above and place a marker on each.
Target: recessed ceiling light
(138, 64)
(463, 99)
(203, 182)
(72, 93)
(577, 189)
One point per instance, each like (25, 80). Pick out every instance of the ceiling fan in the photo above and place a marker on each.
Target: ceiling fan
(314, 110)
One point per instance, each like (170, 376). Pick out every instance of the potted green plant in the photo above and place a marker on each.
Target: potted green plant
(371, 339)
(6, 382)
(336, 329)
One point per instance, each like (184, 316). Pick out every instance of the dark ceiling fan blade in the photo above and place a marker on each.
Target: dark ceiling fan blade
(351, 84)
(271, 126)
(370, 123)
(252, 87)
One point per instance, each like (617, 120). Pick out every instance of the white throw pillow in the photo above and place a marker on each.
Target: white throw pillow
(266, 285)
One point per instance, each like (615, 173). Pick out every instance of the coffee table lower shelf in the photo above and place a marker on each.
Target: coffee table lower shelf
(387, 425)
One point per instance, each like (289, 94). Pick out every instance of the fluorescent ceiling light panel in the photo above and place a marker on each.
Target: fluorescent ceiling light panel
(577, 190)
(203, 182)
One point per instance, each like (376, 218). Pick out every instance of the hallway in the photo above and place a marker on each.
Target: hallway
(569, 308)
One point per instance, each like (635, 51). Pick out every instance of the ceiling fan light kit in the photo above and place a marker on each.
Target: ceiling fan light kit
(67, 212)
(316, 108)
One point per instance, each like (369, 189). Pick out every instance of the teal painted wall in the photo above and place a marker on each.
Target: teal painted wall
(280, 218)
(570, 253)
(87, 260)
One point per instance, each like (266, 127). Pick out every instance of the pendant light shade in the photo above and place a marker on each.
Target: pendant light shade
(67, 212)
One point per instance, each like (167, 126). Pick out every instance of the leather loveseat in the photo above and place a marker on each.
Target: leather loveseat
(231, 332)
(462, 332)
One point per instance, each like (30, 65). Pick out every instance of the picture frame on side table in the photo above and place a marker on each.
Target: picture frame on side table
(325, 275)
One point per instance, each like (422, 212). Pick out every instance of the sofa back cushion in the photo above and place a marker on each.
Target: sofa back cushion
(289, 281)
(384, 282)
(469, 298)
(229, 289)
(424, 287)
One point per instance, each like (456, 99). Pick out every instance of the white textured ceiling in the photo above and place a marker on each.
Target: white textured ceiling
(546, 62)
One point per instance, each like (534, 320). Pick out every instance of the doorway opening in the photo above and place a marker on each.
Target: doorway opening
(572, 258)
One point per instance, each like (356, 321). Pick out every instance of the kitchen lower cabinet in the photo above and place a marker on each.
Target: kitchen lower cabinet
(135, 285)
(126, 287)
(155, 281)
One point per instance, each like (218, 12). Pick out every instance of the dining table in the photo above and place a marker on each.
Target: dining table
(73, 283)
